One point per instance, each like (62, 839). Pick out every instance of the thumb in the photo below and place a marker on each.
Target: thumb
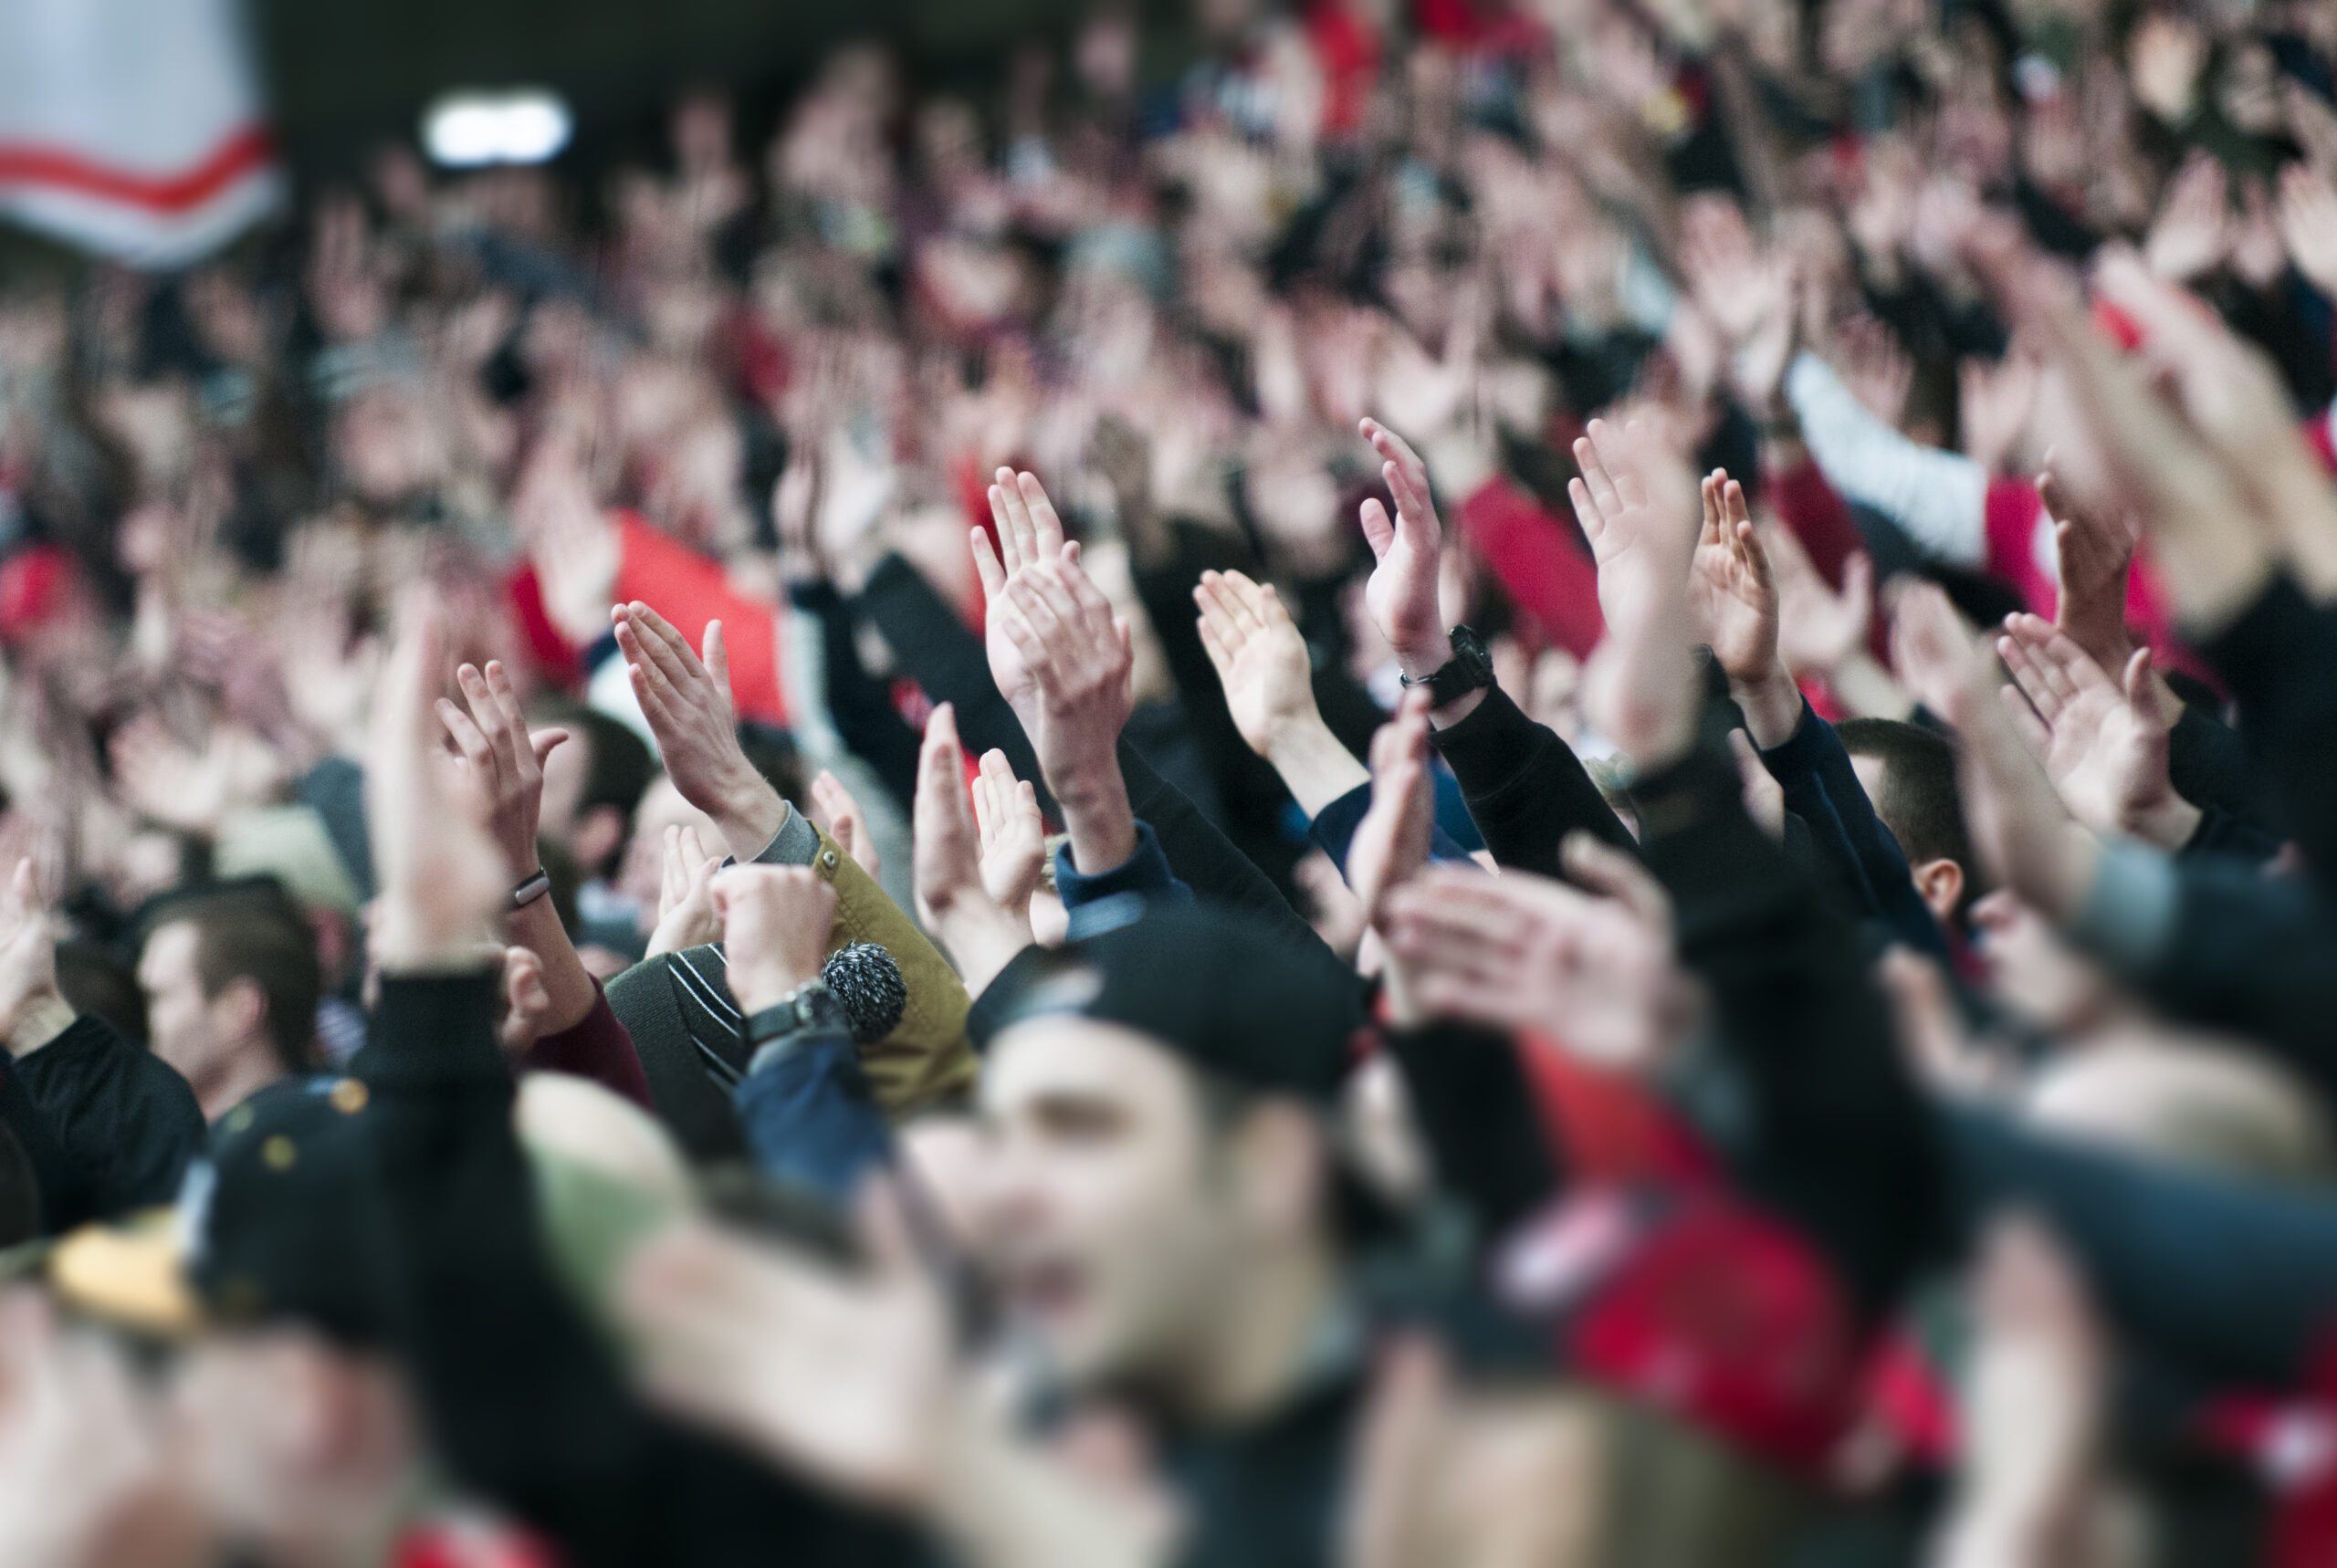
(546, 742)
(715, 655)
(1858, 578)
(1378, 531)
(2138, 679)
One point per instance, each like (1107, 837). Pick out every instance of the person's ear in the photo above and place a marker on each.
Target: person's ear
(1940, 883)
(240, 1010)
(597, 836)
(1284, 1182)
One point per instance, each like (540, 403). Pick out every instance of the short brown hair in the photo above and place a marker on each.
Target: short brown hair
(256, 933)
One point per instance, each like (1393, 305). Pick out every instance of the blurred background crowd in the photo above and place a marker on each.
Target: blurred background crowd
(1151, 399)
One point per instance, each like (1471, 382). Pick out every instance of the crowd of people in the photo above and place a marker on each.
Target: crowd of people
(1488, 783)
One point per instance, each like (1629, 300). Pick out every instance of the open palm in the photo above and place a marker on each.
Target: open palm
(1029, 531)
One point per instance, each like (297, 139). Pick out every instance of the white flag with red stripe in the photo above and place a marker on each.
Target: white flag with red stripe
(132, 128)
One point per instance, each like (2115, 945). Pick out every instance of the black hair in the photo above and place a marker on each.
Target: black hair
(618, 765)
(1920, 801)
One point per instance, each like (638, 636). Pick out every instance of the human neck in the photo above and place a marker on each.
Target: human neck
(240, 1073)
(1254, 1353)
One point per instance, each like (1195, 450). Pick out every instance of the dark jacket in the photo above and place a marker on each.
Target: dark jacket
(524, 1406)
(125, 1124)
(1525, 787)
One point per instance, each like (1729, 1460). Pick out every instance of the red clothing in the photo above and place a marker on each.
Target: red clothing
(689, 591)
(1811, 505)
(1549, 577)
(598, 1048)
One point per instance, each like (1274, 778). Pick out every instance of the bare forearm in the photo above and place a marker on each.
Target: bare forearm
(537, 928)
(980, 940)
(1314, 766)
(1772, 707)
(1869, 690)
(1093, 799)
(748, 812)
(41, 1019)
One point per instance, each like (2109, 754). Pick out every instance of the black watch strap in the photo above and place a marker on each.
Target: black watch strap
(1468, 670)
(808, 1010)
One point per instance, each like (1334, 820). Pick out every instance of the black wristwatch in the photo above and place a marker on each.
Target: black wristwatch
(809, 1008)
(1470, 669)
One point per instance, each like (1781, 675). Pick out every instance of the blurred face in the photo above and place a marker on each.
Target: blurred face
(292, 1442)
(2030, 969)
(180, 1019)
(644, 857)
(1107, 1216)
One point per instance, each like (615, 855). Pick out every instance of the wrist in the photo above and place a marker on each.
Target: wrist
(980, 937)
(2170, 824)
(755, 986)
(1772, 705)
(1313, 763)
(1420, 658)
(1102, 826)
(41, 1019)
(749, 813)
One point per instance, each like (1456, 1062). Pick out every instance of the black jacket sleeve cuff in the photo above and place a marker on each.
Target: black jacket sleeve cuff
(435, 1030)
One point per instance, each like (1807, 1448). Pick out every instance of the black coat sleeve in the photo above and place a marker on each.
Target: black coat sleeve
(945, 657)
(2280, 658)
(1524, 787)
(525, 1406)
(1835, 1136)
(126, 1124)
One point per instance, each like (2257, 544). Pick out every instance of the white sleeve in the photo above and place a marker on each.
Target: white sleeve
(1938, 498)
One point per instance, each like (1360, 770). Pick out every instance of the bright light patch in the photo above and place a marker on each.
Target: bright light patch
(471, 130)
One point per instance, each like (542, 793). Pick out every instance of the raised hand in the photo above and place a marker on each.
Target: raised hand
(1078, 656)
(2191, 234)
(32, 1013)
(444, 881)
(686, 913)
(980, 932)
(1994, 405)
(1262, 663)
(1635, 499)
(2034, 1402)
(1521, 952)
(1391, 844)
(2096, 556)
(840, 814)
(1401, 594)
(503, 758)
(571, 540)
(1013, 834)
(687, 700)
(2102, 742)
(775, 924)
(2308, 219)
(1749, 297)
(1258, 657)
(1820, 628)
(1029, 532)
(2025, 836)
(844, 1376)
(2128, 450)
(2234, 397)
(1735, 599)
